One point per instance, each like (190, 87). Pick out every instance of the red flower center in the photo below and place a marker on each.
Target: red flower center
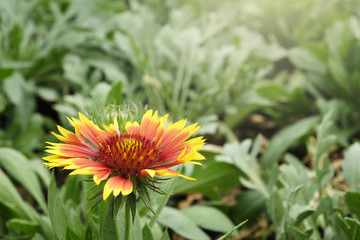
(128, 154)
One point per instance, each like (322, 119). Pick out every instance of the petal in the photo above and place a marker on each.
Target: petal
(117, 185)
(88, 167)
(166, 172)
(149, 172)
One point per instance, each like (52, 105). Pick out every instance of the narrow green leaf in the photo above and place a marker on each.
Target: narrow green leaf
(20, 169)
(11, 198)
(132, 204)
(22, 225)
(57, 211)
(303, 215)
(296, 233)
(229, 234)
(71, 235)
(276, 208)
(108, 229)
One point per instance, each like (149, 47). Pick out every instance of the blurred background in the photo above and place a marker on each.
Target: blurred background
(286, 69)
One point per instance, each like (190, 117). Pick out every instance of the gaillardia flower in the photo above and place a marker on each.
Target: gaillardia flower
(146, 149)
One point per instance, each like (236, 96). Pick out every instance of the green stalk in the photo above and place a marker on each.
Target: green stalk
(127, 221)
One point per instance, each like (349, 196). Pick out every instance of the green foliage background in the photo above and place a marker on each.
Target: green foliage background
(274, 83)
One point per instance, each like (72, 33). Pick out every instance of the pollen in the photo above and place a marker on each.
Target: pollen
(128, 154)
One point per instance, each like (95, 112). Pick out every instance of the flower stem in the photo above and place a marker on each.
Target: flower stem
(127, 221)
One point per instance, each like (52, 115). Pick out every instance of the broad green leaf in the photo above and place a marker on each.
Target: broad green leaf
(100, 92)
(57, 211)
(181, 224)
(209, 218)
(286, 138)
(303, 59)
(352, 200)
(351, 166)
(326, 205)
(213, 174)
(74, 69)
(147, 234)
(14, 88)
(115, 94)
(20, 169)
(255, 206)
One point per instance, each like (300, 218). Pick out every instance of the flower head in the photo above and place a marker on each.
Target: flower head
(145, 149)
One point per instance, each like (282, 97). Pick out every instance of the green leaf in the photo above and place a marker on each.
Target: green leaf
(352, 200)
(350, 227)
(20, 169)
(351, 166)
(115, 94)
(14, 88)
(325, 206)
(71, 235)
(10, 197)
(301, 212)
(303, 59)
(214, 174)
(135, 225)
(339, 74)
(147, 234)
(22, 225)
(273, 92)
(255, 206)
(286, 138)
(276, 208)
(57, 213)
(108, 229)
(209, 218)
(229, 234)
(297, 234)
(5, 72)
(165, 235)
(238, 154)
(181, 224)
